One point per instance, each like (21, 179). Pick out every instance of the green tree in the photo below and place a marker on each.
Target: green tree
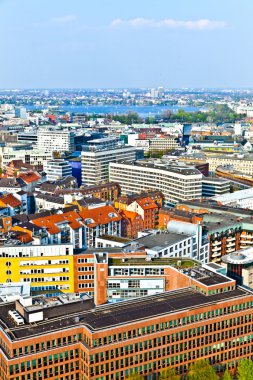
(135, 376)
(245, 370)
(227, 375)
(169, 374)
(202, 370)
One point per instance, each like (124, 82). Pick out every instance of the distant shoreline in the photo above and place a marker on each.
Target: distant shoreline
(143, 111)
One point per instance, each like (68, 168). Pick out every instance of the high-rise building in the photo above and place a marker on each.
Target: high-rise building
(97, 155)
(175, 182)
(20, 112)
(57, 169)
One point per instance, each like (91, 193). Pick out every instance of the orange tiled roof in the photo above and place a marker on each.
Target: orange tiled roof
(146, 203)
(129, 214)
(51, 222)
(10, 200)
(100, 215)
(24, 238)
(30, 177)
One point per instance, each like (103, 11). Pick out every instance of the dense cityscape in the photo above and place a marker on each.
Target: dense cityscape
(126, 190)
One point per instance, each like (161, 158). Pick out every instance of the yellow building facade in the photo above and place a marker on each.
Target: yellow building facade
(48, 268)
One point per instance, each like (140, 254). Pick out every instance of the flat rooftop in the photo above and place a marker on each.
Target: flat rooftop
(206, 277)
(161, 241)
(111, 316)
(184, 263)
(169, 167)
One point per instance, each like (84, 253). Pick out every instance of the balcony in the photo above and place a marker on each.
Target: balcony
(218, 254)
(231, 244)
(230, 249)
(231, 238)
(216, 249)
(216, 243)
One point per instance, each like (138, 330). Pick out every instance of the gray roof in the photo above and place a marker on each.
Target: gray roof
(158, 242)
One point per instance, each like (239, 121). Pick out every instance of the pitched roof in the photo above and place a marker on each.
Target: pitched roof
(10, 200)
(131, 215)
(30, 177)
(146, 203)
(99, 215)
(51, 222)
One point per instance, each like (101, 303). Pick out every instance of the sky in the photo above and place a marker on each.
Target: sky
(126, 43)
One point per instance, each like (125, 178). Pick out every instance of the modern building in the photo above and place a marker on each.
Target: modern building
(203, 316)
(175, 182)
(239, 265)
(98, 154)
(20, 112)
(48, 268)
(241, 198)
(53, 140)
(215, 186)
(164, 144)
(57, 169)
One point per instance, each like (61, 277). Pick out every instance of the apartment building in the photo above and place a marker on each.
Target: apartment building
(203, 316)
(227, 229)
(97, 156)
(54, 140)
(57, 169)
(175, 182)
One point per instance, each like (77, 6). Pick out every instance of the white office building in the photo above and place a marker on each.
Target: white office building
(175, 182)
(57, 169)
(55, 140)
(97, 156)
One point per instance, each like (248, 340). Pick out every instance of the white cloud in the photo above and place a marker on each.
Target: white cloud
(64, 19)
(201, 24)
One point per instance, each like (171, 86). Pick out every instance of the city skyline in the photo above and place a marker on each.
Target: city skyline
(127, 45)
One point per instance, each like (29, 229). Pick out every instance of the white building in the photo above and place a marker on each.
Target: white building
(55, 140)
(31, 156)
(175, 182)
(241, 198)
(98, 155)
(57, 169)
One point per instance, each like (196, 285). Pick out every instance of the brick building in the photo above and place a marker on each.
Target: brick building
(67, 339)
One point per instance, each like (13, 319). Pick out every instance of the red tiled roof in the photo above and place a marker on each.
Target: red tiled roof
(129, 214)
(51, 222)
(10, 200)
(30, 177)
(100, 215)
(146, 203)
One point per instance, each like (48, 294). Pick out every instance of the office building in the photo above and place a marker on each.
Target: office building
(20, 112)
(203, 316)
(215, 186)
(97, 155)
(55, 140)
(175, 182)
(57, 169)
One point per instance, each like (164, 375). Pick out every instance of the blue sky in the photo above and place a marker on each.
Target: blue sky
(126, 43)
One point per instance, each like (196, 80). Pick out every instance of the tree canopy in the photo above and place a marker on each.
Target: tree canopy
(245, 370)
(227, 375)
(169, 374)
(202, 370)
